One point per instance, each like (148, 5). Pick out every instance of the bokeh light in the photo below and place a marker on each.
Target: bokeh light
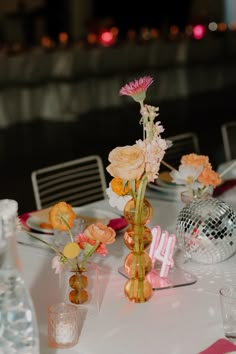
(92, 38)
(222, 27)
(63, 37)
(106, 38)
(212, 26)
(198, 31)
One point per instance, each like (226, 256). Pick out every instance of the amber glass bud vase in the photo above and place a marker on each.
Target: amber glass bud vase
(138, 263)
(78, 282)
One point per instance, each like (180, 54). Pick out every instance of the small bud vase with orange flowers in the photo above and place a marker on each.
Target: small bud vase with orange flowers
(72, 259)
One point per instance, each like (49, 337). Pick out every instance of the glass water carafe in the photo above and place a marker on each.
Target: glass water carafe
(18, 325)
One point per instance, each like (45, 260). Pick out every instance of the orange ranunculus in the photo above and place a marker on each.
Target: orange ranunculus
(195, 160)
(62, 216)
(126, 162)
(100, 232)
(118, 188)
(208, 177)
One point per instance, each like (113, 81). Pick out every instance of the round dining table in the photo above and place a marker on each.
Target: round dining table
(184, 319)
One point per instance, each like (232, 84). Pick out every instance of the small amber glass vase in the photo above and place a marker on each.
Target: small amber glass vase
(81, 287)
(138, 263)
(78, 283)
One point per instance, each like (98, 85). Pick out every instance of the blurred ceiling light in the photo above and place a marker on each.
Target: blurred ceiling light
(92, 38)
(47, 42)
(222, 27)
(198, 31)
(212, 26)
(63, 37)
(145, 33)
(106, 38)
(154, 32)
(174, 30)
(115, 31)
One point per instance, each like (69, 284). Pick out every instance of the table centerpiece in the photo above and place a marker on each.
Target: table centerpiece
(132, 168)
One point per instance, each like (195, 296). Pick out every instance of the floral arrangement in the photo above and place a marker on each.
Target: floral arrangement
(132, 167)
(79, 248)
(196, 173)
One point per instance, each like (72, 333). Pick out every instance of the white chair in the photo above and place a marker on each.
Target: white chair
(77, 182)
(183, 144)
(228, 132)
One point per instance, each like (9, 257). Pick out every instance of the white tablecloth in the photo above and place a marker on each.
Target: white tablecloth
(181, 320)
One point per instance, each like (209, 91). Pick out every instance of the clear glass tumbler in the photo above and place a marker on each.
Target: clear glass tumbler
(63, 325)
(228, 311)
(62, 237)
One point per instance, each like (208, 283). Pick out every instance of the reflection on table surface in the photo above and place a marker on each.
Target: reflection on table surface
(63, 84)
(181, 320)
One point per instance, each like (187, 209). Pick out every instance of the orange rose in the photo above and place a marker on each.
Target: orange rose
(127, 162)
(208, 177)
(195, 160)
(101, 233)
(62, 216)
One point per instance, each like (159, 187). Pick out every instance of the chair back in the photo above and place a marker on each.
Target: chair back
(183, 144)
(77, 182)
(228, 132)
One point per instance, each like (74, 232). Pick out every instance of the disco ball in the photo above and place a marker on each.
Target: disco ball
(206, 230)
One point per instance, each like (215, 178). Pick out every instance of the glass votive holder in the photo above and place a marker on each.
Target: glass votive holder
(228, 311)
(61, 237)
(186, 196)
(63, 325)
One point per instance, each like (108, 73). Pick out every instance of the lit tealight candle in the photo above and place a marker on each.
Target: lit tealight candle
(63, 325)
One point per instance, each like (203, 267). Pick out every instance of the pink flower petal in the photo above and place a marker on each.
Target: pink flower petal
(136, 86)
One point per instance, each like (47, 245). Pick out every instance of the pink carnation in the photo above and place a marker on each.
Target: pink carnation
(102, 250)
(81, 239)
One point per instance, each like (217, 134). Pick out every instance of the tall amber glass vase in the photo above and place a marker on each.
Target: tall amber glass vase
(138, 238)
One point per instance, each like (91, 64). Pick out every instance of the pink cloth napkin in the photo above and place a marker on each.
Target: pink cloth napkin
(224, 187)
(23, 218)
(118, 224)
(221, 346)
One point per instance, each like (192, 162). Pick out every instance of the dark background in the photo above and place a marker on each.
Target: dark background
(127, 14)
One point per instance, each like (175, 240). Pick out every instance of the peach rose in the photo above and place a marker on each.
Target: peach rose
(100, 232)
(208, 177)
(126, 162)
(195, 160)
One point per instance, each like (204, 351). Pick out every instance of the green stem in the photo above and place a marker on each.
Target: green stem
(59, 253)
(168, 165)
(85, 258)
(68, 227)
(138, 236)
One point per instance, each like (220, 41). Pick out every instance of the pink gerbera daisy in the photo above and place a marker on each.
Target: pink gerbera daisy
(137, 88)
